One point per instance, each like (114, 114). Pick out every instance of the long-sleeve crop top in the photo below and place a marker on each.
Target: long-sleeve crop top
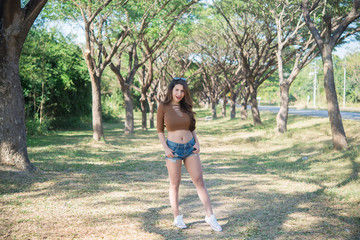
(173, 118)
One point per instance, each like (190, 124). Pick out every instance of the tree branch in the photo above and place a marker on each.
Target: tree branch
(352, 16)
(31, 11)
(306, 12)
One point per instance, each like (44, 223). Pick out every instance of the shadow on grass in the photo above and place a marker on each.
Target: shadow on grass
(272, 211)
(14, 181)
(266, 214)
(78, 168)
(354, 168)
(56, 139)
(84, 170)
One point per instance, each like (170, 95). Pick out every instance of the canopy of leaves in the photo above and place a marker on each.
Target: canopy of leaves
(52, 60)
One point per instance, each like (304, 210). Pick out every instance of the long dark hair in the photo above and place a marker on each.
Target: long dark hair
(186, 103)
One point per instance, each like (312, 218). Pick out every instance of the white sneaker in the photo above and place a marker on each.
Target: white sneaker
(178, 222)
(213, 223)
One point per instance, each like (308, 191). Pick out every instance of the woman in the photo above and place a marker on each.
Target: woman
(182, 144)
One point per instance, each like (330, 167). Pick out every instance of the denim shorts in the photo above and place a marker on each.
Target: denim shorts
(181, 151)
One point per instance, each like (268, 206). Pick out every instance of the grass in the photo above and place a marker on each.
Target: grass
(263, 185)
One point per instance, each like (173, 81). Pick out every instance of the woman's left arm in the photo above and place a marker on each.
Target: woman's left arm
(197, 144)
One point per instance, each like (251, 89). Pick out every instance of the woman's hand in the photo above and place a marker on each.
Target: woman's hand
(168, 152)
(196, 148)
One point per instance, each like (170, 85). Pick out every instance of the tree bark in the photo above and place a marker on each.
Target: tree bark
(15, 24)
(254, 106)
(143, 111)
(95, 78)
(13, 147)
(243, 109)
(98, 132)
(326, 44)
(337, 128)
(125, 85)
(233, 110)
(213, 108)
(129, 111)
(233, 104)
(282, 116)
(41, 113)
(151, 110)
(223, 113)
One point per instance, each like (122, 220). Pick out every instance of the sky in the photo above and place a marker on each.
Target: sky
(347, 48)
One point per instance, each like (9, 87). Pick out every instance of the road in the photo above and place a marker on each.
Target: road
(314, 113)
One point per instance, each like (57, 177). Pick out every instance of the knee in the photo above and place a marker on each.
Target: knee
(198, 181)
(175, 184)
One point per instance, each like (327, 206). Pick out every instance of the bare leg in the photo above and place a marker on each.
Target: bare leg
(194, 168)
(174, 170)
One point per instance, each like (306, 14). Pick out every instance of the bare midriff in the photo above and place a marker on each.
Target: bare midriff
(180, 136)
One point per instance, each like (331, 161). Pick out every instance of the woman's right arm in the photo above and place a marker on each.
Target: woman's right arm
(160, 129)
(168, 151)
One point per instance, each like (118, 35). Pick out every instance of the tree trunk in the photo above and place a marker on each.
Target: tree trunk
(126, 89)
(233, 111)
(129, 110)
(243, 109)
(14, 27)
(337, 129)
(224, 105)
(233, 105)
(34, 101)
(151, 109)
(213, 108)
(143, 111)
(98, 131)
(13, 147)
(282, 116)
(254, 107)
(42, 101)
(95, 78)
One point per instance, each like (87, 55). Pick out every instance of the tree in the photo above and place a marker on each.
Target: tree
(151, 24)
(101, 27)
(174, 60)
(15, 23)
(214, 59)
(233, 76)
(163, 71)
(292, 41)
(336, 18)
(212, 83)
(245, 93)
(255, 37)
(154, 43)
(219, 52)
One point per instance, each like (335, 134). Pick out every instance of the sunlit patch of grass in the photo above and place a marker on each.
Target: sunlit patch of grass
(347, 193)
(263, 184)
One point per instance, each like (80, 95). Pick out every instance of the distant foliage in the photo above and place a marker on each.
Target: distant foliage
(353, 77)
(54, 80)
(113, 106)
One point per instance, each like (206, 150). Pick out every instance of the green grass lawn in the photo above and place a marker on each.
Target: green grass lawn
(263, 185)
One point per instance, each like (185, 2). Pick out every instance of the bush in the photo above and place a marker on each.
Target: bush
(71, 123)
(112, 106)
(33, 126)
